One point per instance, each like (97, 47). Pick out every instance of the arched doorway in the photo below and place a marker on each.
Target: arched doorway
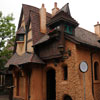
(67, 97)
(51, 85)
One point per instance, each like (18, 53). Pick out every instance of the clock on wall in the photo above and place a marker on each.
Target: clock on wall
(83, 66)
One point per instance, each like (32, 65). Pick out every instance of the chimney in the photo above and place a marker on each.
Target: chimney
(97, 29)
(55, 9)
(43, 19)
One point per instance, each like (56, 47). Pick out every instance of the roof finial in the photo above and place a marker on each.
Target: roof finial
(66, 9)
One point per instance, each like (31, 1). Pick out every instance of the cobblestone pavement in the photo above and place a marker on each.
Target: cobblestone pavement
(4, 97)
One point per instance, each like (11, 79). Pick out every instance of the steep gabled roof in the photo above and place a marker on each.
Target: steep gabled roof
(35, 22)
(63, 15)
(51, 48)
(26, 12)
(31, 13)
(65, 9)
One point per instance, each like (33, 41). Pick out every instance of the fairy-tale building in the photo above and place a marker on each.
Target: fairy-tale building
(54, 59)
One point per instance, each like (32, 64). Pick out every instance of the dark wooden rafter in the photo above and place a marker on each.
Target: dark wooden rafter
(26, 38)
(29, 40)
(62, 40)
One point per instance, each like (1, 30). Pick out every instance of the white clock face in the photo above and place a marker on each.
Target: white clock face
(83, 66)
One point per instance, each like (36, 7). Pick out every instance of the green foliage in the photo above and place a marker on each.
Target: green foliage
(7, 36)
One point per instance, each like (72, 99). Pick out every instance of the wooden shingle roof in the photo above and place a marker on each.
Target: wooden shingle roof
(25, 58)
(87, 37)
(51, 48)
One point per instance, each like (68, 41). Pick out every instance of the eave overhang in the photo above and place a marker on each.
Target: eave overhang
(25, 58)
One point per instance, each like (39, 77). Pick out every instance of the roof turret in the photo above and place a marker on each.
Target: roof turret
(62, 16)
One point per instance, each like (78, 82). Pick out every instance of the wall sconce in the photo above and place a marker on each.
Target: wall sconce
(56, 61)
(62, 51)
(65, 54)
(69, 52)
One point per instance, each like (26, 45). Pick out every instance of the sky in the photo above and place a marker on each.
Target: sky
(86, 12)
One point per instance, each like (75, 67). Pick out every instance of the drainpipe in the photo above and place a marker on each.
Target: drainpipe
(29, 75)
(91, 55)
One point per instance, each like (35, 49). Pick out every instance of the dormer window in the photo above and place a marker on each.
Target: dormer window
(20, 37)
(68, 29)
(20, 34)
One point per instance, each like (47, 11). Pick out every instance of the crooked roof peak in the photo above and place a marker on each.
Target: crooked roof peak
(66, 9)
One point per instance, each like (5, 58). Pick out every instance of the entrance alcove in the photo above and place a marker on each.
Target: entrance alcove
(51, 84)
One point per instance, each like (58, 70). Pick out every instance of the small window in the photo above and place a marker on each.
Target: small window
(96, 71)
(20, 37)
(65, 70)
(68, 29)
(67, 97)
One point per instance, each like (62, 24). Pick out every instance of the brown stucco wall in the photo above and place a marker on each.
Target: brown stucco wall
(96, 58)
(83, 54)
(36, 83)
(30, 32)
(73, 86)
(20, 89)
(29, 46)
(29, 38)
(21, 44)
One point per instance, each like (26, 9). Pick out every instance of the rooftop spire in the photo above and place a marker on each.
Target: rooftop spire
(66, 9)
(63, 15)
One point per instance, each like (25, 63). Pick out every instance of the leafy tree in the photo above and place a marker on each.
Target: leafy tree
(7, 36)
